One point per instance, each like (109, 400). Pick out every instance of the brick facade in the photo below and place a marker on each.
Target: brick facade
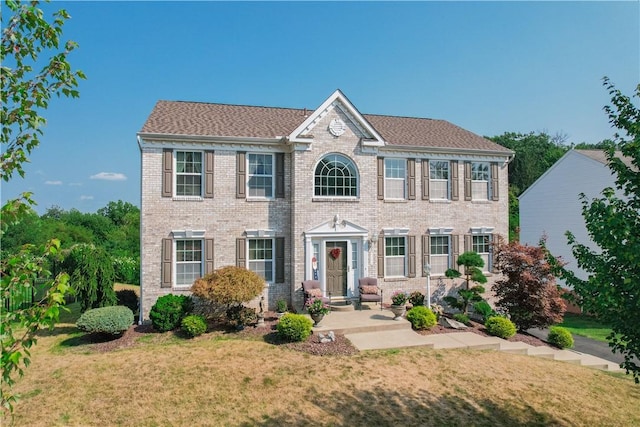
(297, 217)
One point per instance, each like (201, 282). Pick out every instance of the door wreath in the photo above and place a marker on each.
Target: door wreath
(335, 253)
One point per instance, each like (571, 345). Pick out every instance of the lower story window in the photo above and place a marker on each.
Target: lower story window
(188, 261)
(481, 244)
(439, 254)
(394, 259)
(261, 258)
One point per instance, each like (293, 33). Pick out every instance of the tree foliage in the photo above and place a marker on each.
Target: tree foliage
(612, 291)
(229, 286)
(528, 291)
(26, 37)
(91, 275)
(472, 264)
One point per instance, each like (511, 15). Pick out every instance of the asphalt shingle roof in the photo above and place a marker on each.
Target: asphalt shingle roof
(224, 120)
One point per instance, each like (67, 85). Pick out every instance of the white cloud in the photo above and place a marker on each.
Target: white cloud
(86, 197)
(109, 176)
(53, 182)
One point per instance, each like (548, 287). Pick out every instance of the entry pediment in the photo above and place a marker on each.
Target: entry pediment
(337, 227)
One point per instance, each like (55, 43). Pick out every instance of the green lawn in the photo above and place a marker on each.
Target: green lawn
(586, 326)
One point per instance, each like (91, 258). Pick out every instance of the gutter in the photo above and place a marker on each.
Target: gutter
(140, 304)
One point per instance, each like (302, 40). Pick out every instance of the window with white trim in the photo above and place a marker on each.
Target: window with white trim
(439, 254)
(439, 179)
(395, 264)
(188, 261)
(188, 173)
(261, 259)
(395, 178)
(260, 175)
(481, 243)
(480, 180)
(336, 176)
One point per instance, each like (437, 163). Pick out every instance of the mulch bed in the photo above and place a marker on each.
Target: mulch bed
(340, 347)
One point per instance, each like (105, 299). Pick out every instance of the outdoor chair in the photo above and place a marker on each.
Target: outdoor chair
(312, 289)
(369, 291)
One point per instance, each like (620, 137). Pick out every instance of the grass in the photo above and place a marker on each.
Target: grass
(586, 326)
(164, 380)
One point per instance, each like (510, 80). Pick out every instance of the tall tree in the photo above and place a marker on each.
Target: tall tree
(612, 291)
(27, 36)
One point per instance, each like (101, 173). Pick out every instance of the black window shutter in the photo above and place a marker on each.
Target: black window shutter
(167, 263)
(167, 172)
(241, 176)
(208, 174)
(279, 259)
(280, 175)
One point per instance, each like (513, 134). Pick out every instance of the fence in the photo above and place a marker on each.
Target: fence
(24, 296)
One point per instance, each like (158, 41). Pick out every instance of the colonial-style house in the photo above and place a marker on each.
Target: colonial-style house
(328, 194)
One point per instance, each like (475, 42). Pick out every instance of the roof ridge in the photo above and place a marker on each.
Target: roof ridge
(233, 105)
(403, 117)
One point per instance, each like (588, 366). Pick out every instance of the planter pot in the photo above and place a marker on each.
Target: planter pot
(279, 315)
(398, 311)
(317, 318)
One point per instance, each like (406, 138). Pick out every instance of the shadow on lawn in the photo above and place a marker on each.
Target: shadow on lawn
(390, 408)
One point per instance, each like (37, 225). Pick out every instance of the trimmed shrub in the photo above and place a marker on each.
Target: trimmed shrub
(128, 298)
(421, 317)
(294, 327)
(560, 337)
(484, 309)
(112, 320)
(416, 298)
(239, 315)
(500, 327)
(193, 325)
(229, 285)
(168, 311)
(462, 318)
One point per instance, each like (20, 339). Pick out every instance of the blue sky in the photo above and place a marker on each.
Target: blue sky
(489, 67)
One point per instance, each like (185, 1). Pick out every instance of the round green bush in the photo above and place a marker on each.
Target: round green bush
(194, 325)
(500, 327)
(112, 320)
(560, 337)
(294, 327)
(421, 317)
(168, 311)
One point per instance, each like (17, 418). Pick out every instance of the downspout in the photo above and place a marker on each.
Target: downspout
(140, 307)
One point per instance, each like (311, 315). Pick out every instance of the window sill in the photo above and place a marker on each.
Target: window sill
(260, 199)
(187, 199)
(335, 199)
(445, 201)
(396, 279)
(395, 200)
(481, 201)
(181, 288)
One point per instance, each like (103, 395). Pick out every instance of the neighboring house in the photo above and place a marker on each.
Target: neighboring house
(277, 190)
(551, 206)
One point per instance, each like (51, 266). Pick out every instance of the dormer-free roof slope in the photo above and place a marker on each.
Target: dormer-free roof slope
(182, 118)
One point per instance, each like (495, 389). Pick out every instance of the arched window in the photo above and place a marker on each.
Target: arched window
(336, 176)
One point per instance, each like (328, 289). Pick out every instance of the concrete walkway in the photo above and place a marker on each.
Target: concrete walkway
(375, 329)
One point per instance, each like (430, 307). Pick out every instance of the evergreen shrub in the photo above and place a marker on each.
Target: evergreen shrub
(421, 317)
(168, 311)
(560, 337)
(112, 320)
(294, 327)
(500, 327)
(194, 325)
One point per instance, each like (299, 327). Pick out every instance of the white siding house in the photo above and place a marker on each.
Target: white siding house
(552, 204)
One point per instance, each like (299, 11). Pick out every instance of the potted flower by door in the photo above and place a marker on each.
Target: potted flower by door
(398, 301)
(281, 307)
(317, 309)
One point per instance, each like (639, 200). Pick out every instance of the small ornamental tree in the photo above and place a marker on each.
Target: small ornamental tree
(229, 286)
(91, 275)
(472, 264)
(528, 291)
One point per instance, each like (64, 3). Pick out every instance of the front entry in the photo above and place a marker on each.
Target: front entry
(336, 257)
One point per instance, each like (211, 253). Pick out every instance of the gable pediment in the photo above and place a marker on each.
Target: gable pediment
(343, 115)
(337, 227)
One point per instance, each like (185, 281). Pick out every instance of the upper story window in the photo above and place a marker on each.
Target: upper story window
(188, 173)
(439, 179)
(395, 178)
(260, 175)
(336, 176)
(480, 180)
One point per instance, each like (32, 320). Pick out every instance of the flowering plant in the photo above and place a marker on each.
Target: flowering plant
(316, 306)
(399, 298)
